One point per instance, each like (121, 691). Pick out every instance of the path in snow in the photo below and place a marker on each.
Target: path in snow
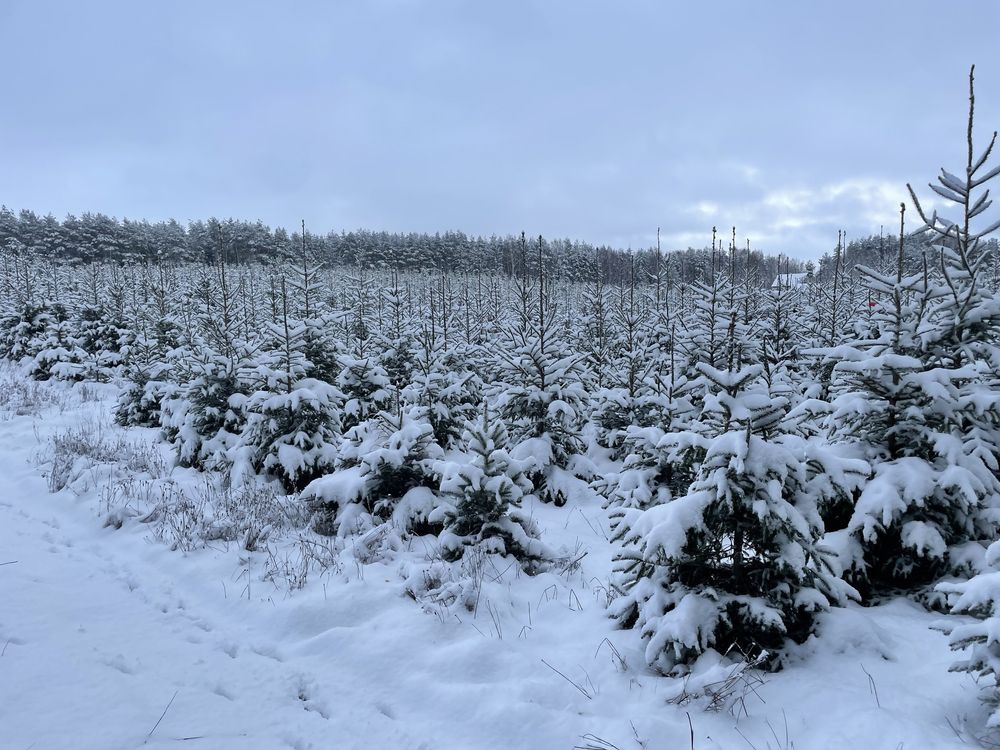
(102, 629)
(96, 642)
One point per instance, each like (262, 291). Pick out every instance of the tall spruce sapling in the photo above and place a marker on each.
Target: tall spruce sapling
(57, 351)
(147, 354)
(978, 639)
(734, 563)
(292, 421)
(482, 495)
(444, 386)
(966, 338)
(922, 399)
(543, 398)
(366, 388)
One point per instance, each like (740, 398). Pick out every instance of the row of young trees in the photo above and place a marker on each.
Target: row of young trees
(764, 451)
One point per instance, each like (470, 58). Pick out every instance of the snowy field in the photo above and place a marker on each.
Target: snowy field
(111, 639)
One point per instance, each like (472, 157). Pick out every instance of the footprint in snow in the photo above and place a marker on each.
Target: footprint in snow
(202, 625)
(119, 663)
(220, 690)
(305, 691)
(297, 743)
(268, 652)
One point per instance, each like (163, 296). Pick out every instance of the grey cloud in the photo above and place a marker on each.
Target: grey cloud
(590, 120)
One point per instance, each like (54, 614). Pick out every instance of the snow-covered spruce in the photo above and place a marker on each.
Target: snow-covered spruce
(481, 494)
(23, 330)
(291, 435)
(735, 564)
(444, 385)
(204, 417)
(57, 351)
(291, 422)
(918, 394)
(659, 467)
(147, 370)
(385, 465)
(979, 640)
(543, 401)
(364, 384)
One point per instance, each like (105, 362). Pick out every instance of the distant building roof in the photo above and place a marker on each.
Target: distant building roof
(789, 280)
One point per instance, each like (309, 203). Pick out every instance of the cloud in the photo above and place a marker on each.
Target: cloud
(487, 118)
(803, 218)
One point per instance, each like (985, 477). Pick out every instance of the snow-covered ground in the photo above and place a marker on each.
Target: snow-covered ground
(109, 639)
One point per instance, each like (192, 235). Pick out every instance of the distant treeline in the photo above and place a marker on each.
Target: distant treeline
(97, 237)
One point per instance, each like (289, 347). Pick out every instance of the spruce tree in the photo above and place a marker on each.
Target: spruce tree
(919, 397)
(482, 495)
(735, 562)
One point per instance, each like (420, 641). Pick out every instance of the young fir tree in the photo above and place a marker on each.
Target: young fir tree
(148, 374)
(57, 351)
(707, 318)
(921, 400)
(24, 331)
(292, 422)
(782, 312)
(395, 340)
(101, 335)
(631, 398)
(322, 348)
(147, 355)
(978, 640)
(595, 325)
(366, 388)
(204, 416)
(443, 386)
(380, 463)
(967, 334)
(735, 563)
(542, 398)
(482, 496)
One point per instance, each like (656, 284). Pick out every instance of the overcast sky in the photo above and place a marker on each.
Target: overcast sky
(596, 121)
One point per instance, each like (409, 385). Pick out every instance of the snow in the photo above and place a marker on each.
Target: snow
(108, 639)
(786, 280)
(344, 487)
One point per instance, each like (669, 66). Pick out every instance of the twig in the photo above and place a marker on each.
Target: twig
(162, 715)
(495, 616)
(635, 734)
(955, 730)
(574, 684)
(745, 739)
(596, 532)
(872, 686)
(595, 743)
(501, 573)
